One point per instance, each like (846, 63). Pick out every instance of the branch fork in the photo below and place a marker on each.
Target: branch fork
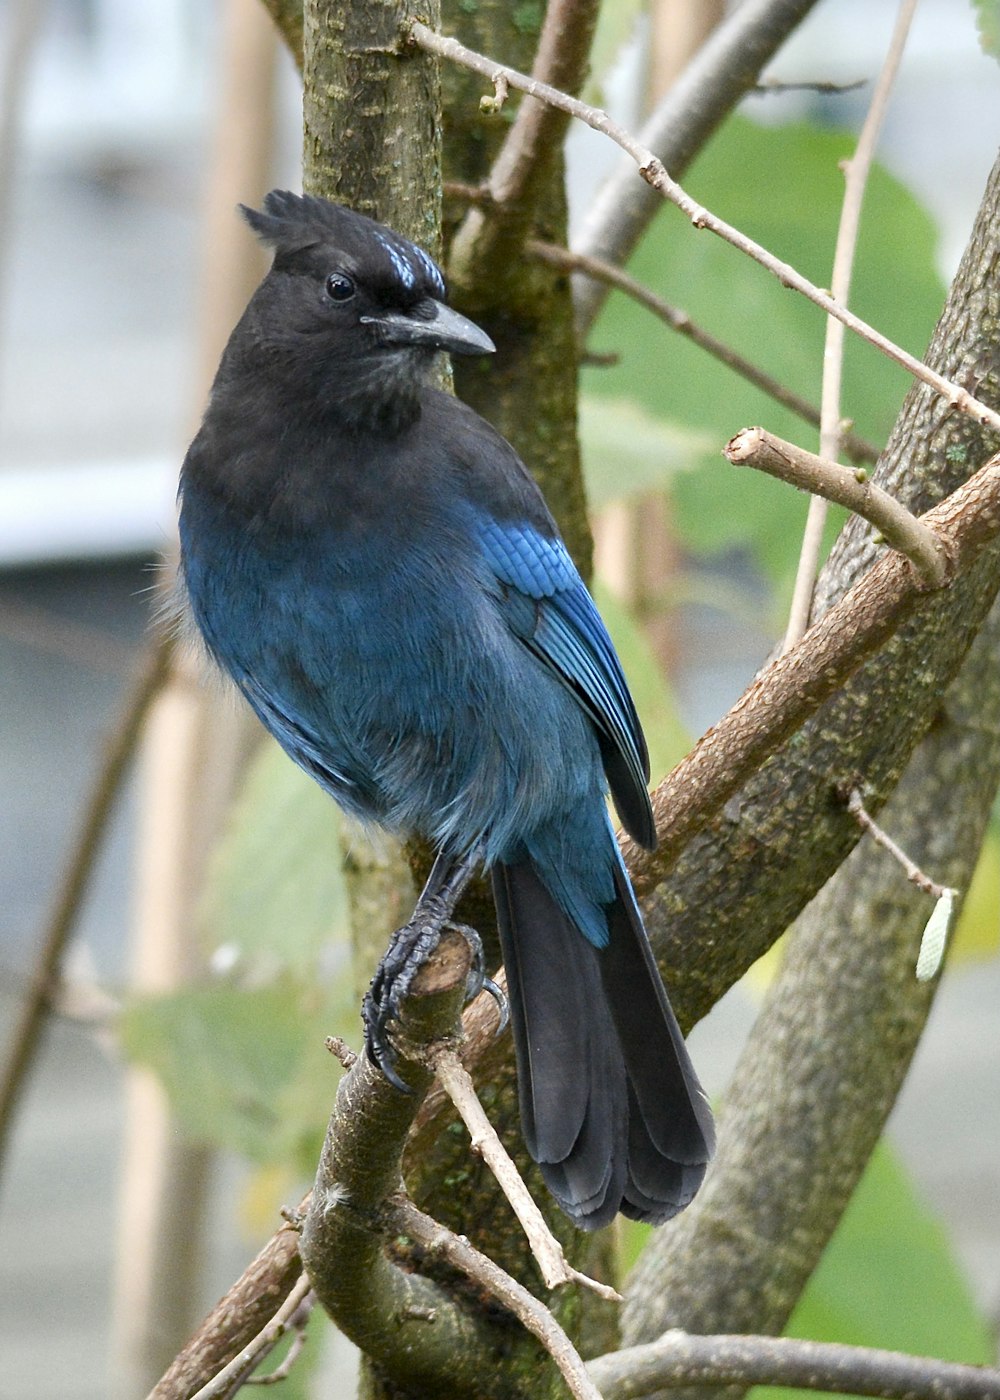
(846, 486)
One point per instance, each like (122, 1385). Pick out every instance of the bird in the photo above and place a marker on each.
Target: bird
(372, 564)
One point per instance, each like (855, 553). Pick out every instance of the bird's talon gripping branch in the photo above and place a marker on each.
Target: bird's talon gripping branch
(410, 948)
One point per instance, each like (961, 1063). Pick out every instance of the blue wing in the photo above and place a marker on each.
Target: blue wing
(546, 604)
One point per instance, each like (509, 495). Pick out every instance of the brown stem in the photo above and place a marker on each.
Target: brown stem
(75, 880)
(757, 448)
(680, 1359)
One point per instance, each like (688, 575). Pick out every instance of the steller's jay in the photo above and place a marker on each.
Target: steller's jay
(375, 569)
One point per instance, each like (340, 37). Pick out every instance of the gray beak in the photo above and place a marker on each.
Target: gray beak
(432, 324)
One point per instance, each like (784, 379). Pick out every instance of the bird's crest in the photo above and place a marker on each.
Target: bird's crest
(292, 223)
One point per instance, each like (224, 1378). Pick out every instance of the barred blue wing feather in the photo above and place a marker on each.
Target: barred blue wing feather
(565, 630)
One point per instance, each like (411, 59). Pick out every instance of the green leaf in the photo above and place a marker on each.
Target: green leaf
(988, 24)
(276, 894)
(783, 187)
(628, 451)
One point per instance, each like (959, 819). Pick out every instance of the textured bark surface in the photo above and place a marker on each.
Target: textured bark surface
(371, 137)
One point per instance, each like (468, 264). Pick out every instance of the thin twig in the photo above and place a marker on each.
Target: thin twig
(856, 807)
(491, 235)
(402, 1217)
(299, 1339)
(845, 486)
(860, 451)
(236, 1372)
(935, 934)
(547, 1250)
(652, 170)
(725, 66)
(767, 86)
(681, 1359)
(856, 170)
(76, 878)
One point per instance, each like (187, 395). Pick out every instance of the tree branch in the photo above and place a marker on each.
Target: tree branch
(245, 1310)
(406, 1323)
(829, 481)
(653, 171)
(726, 66)
(490, 237)
(831, 1047)
(402, 1216)
(548, 1252)
(794, 685)
(855, 447)
(293, 1312)
(680, 1359)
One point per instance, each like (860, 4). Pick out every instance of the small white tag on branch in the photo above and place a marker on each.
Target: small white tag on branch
(935, 936)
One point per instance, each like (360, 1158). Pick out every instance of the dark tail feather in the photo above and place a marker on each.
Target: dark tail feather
(611, 1108)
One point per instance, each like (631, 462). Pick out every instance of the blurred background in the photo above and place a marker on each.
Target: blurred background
(127, 135)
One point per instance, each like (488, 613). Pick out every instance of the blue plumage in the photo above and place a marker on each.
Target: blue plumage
(371, 563)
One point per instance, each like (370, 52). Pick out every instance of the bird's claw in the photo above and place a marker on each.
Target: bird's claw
(479, 981)
(410, 948)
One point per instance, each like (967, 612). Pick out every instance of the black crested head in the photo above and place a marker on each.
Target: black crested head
(295, 225)
(351, 313)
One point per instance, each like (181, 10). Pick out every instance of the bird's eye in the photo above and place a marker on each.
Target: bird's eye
(339, 287)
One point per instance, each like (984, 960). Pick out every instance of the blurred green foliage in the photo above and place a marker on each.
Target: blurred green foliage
(783, 187)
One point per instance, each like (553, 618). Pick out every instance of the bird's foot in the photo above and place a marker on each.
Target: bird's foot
(411, 946)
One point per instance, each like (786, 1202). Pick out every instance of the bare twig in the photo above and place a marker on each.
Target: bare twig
(793, 686)
(726, 66)
(547, 1250)
(856, 807)
(491, 233)
(76, 877)
(652, 170)
(238, 1371)
(681, 1359)
(402, 1216)
(856, 447)
(845, 486)
(856, 170)
(768, 86)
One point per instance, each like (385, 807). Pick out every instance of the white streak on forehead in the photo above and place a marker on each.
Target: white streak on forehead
(400, 254)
